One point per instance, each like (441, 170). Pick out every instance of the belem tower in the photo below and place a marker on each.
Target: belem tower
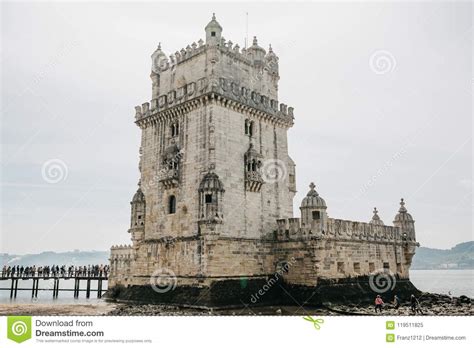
(213, 214)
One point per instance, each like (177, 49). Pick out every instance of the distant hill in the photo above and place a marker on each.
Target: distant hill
(460, 256)
(75, 257)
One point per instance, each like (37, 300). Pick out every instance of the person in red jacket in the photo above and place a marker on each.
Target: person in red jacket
(378, 304)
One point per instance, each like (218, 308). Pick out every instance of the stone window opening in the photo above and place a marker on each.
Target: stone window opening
(371, 267)
(252, 165)
(291, 178)
(357, 267)
(249, 127)
(340, 267)
(316, 215)
(386, 267)
(283, 267)
(174, 129)
(210, 198)
(213, 33)
(172, 204)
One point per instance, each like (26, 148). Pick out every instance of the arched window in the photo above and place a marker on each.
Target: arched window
(248, 127)
(174, 129)
(172, 204)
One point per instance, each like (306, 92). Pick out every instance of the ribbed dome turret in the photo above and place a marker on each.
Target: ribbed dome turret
(403, 215)
(271, 55)
(313, 199)
(213, 31)
(211, 182)
(376, 219)
(213, 24)
(256, 47)
(138, 196)
(158, 60)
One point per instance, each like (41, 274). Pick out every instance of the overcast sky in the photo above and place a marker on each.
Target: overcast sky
(382, 96)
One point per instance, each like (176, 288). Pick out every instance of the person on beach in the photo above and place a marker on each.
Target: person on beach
(396, 302)
(415, 305)
(378, 304)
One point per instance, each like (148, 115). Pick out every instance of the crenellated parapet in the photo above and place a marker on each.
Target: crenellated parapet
(224, 47)
(337, 229)
(315, 223)
(194, 93)
(121, 252)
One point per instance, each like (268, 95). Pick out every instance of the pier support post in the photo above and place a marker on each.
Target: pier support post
(16, 286)
(76, 287)
(33, 288)
(56, 288)
(99, 288)
(11, 289)
(88, 289)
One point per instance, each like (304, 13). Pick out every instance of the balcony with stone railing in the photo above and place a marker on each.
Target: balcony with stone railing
(169, 177)
(253, 181)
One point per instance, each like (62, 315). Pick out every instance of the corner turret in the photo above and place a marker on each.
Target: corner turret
(159, 62)
(213, 32)
(137, 223)
(405, 222)
(376, 219)
(313, 212)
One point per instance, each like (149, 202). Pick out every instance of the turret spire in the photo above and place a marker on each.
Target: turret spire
(213, 31)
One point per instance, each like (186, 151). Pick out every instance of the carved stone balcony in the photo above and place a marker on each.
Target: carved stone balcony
(253, 181)
(169, 178)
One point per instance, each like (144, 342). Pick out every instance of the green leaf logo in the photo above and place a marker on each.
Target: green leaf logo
(19, 329)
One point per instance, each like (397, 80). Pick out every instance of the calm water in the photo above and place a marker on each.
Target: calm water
(46, 296)
(459, 282)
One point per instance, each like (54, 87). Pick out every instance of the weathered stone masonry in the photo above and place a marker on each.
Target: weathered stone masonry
(214, 205)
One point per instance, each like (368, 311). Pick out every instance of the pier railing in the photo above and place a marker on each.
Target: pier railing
(56, 277)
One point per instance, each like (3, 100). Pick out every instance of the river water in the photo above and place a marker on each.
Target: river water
(458, 282)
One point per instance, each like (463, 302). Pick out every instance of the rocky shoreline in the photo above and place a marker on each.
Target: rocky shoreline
(431, 304)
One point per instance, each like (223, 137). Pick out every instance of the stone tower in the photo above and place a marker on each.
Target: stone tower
(213, 212)
(214, 157)
(213, 125)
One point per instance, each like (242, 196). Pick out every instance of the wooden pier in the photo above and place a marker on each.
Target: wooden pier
(56, 285)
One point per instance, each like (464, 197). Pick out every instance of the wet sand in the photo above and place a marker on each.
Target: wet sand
(38, 309)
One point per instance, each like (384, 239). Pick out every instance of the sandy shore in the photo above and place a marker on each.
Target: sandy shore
(56, 309)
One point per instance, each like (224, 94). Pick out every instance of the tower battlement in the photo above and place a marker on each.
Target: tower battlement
(204, 67)
(225, 91)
